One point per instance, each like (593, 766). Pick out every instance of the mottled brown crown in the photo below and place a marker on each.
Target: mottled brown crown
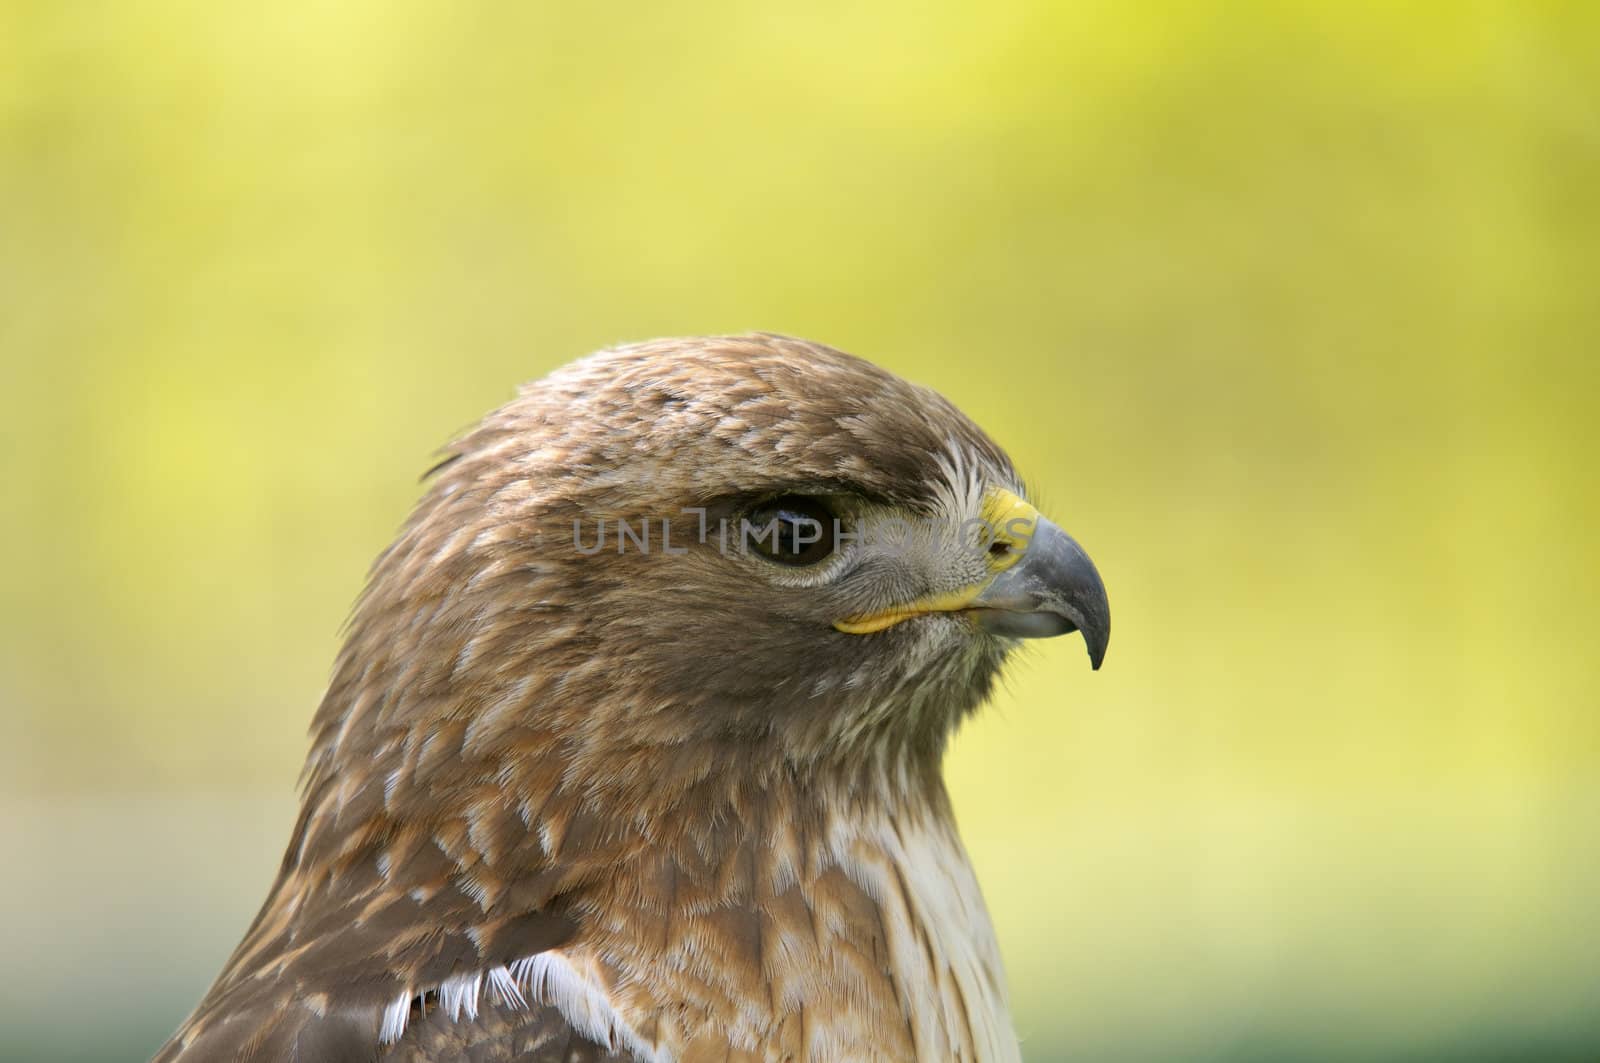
(673, 420)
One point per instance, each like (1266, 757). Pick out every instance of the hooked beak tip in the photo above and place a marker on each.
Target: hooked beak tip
(1054, 589)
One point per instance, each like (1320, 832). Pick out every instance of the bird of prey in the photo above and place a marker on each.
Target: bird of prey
(633, 748)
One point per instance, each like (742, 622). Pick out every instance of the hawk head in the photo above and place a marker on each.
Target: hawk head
(753, 540)
(651, 693)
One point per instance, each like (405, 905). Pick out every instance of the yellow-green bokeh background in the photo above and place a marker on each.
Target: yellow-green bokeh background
(1289, 310)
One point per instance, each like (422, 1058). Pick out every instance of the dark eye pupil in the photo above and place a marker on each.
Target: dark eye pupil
(794, 530)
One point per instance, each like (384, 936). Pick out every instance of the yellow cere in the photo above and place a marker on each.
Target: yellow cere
(1012, 521)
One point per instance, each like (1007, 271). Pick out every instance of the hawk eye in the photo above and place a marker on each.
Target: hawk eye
(792, 530)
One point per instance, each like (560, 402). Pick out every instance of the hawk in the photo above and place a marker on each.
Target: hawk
(633, 748)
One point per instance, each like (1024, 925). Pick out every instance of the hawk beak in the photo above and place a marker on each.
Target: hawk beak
(1041, 584)
(1052, 589)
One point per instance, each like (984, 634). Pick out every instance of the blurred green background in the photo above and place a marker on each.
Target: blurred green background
(1290, 310)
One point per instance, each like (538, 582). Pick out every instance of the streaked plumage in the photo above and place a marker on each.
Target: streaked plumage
(647, 804)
